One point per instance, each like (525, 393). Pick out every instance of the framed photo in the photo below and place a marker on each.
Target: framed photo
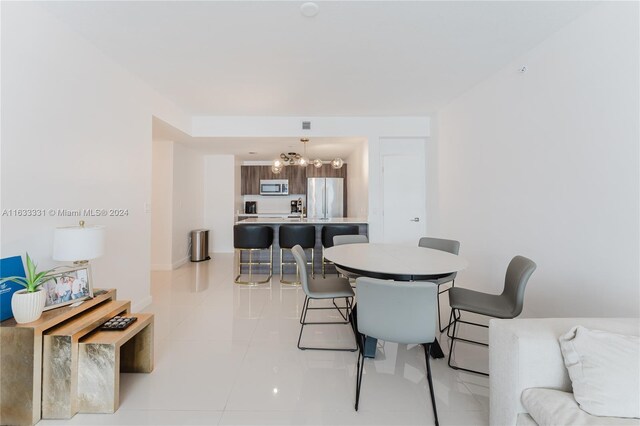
(68, 286)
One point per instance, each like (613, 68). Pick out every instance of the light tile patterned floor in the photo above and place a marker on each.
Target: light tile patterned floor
(226, 355)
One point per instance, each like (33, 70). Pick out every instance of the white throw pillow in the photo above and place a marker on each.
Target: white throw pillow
(550, 407)
(605, 371)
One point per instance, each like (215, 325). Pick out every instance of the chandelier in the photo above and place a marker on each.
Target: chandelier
(295, 159)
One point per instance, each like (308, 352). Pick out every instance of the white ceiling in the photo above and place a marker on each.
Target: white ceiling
(353, 58)
(267, 149)
(264, 148)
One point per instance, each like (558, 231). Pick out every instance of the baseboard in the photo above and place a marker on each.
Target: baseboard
(139, 306)
(161, 267)
(179, 263)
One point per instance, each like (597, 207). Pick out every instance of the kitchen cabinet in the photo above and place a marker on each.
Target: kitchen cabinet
(327, 171)
(250, 177)
(297, 179)
(249, 180)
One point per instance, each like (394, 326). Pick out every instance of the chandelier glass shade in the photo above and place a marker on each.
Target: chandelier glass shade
(337, 163)
(295, 159)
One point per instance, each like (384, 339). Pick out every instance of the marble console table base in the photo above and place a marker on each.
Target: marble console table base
(60, 359)
(21, 361)
(103, 355)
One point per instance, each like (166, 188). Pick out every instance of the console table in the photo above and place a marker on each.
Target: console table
(21, 349)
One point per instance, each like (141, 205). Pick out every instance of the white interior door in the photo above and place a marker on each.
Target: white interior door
(404, 193)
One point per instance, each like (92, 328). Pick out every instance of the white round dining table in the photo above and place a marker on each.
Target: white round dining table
(395, 262)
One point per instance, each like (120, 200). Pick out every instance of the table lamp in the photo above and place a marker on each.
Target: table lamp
(78, 244)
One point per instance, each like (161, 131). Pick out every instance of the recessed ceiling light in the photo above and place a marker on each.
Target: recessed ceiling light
(252, 152)
(309, 9)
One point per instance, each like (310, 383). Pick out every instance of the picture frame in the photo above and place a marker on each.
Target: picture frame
(68, 285)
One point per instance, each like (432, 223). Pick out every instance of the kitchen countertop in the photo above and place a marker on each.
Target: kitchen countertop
(265, 214)
(312, 221)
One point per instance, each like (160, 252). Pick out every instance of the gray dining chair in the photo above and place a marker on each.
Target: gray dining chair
(450, 246)
(340, 240)
(396, 311)
(322, 289)
(506, 305)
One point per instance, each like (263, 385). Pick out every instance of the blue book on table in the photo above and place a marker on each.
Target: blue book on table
(9, 267)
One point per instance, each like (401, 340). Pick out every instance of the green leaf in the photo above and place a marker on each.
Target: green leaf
(34, 279)
(18, 280)
(31, 268)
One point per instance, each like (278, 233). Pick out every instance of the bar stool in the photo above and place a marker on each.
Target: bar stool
(251, 238)
(330, 231)
(290, 236)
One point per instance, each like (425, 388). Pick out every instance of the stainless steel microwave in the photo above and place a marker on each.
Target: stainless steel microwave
(274, 187)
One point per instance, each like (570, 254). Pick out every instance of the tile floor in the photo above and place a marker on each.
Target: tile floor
(226, 355)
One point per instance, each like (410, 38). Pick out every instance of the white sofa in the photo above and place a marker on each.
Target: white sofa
(525, 353)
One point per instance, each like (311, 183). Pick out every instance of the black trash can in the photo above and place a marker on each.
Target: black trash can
(200, 245)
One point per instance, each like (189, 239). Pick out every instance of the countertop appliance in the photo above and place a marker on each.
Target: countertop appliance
(251, 207)
(325, 198)
(274, 187)
(296, 206)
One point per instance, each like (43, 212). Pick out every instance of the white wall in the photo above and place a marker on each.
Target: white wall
(76, 134)
(358, 181)
(373, 129)
(220, 197)
(188, 200)
(546, 164)
(161, 204)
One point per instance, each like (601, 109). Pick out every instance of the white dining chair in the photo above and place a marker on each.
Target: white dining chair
(396, 311)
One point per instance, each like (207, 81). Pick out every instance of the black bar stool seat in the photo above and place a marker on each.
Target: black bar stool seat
(290, 236)
(252, 238)
(330, 231)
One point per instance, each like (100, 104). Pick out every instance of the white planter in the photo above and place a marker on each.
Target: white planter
(26, 306)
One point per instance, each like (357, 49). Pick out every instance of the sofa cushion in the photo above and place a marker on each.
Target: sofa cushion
(604, 371)
(550, 407)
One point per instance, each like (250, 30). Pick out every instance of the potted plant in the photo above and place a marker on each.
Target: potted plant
(27, 304)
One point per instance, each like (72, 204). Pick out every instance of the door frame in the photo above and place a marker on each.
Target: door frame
(390, 146)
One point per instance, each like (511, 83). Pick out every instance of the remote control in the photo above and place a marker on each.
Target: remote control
(118, 323)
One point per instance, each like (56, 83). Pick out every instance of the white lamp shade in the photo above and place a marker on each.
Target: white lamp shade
(76, 243)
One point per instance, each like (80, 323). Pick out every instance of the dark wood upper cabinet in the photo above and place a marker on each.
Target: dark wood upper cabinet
(250, 177)
(297, 180)
(249, 180)
(327, 171)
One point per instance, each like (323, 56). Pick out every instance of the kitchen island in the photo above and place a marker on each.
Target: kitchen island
(275, 223)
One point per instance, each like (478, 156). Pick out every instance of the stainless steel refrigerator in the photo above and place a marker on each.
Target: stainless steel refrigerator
(325, 198)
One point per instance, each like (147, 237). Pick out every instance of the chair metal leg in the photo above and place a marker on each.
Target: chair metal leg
(304, 308)
(281, 265)
(303, 321)
(359, 371)
(442, 329)
(345, 317)
(251, 282)
(454, 320)
(433, 398)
